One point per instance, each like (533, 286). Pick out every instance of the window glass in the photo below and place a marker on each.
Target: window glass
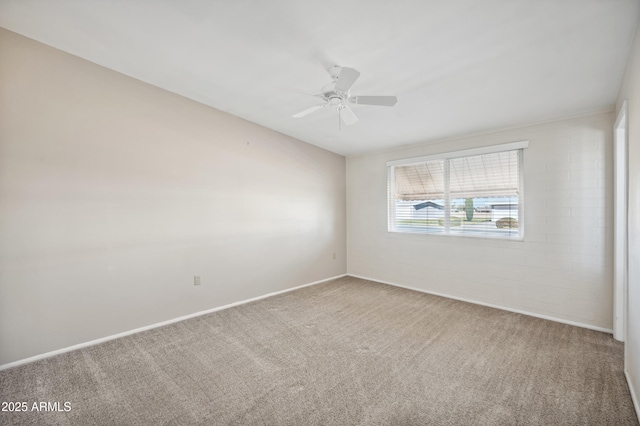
(476, 195)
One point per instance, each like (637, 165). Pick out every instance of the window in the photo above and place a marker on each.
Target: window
(476, 193)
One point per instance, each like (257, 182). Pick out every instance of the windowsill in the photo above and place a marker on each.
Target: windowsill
(477, 235)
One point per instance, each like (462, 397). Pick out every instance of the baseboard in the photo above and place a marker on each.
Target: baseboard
(632, 391)
(504, 308)
(156, 325)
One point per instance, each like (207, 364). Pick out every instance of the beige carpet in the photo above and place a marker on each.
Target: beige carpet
(346, 352)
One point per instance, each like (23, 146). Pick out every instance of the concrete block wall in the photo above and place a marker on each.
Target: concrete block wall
(563, 268)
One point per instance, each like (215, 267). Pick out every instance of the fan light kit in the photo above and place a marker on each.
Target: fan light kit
(336, 94)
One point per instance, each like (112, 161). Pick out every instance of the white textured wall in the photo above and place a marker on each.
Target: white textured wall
(630, 91)
(563, 269)
(114, 194)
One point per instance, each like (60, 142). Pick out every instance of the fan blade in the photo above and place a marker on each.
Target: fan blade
(374, 100)
(309, 111)
(348, 116)
(347, 77)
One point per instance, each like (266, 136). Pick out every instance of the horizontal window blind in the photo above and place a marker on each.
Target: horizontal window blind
(420, 181)
(475, 195)
(485, 175)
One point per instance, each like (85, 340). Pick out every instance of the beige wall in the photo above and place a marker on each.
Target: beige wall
(630, 91)
(563, 268)
(114, 194)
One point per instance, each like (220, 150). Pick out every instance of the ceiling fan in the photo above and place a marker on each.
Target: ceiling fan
(336, 94)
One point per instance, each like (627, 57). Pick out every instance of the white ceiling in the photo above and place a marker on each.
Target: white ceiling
(456, 66)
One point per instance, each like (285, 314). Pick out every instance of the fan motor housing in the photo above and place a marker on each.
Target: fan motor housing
(333, 97)
(335, 100)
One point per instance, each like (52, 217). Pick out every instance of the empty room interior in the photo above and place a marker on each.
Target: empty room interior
(324, 213)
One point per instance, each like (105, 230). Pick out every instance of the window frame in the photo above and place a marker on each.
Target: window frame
(493, 149)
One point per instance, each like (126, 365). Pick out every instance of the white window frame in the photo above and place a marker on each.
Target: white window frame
(512, 146)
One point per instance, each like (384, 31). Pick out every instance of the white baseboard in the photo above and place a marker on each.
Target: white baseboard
(504, 308)
(156, 325)
(632, 391)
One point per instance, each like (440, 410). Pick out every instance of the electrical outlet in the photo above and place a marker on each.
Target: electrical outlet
(196, 280)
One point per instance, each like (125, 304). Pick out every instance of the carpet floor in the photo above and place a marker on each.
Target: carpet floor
(345, 352)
